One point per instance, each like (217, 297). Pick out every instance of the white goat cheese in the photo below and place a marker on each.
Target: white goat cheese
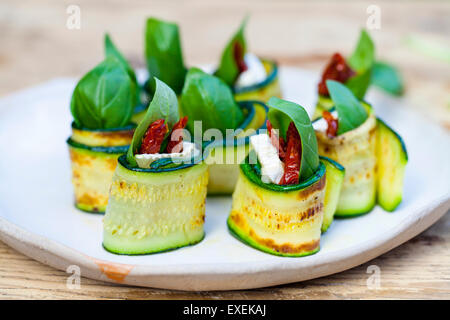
(189, 150)
(321, 124)
(272, 169)
(254, 74)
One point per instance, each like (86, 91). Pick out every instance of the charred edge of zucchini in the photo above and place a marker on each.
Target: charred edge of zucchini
(236, 233)
(271, 77)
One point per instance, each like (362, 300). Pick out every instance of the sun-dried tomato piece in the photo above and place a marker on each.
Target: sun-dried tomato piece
(176, 136)
(337, 69)
(277, 142)
(238, 53)
(332, 123)
(153, 138)
(293, 156)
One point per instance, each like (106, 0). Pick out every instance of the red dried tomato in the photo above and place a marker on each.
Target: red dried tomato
(277, 142)
(332, 123)
(337, 69)
(153, 138)
(176, 136)
(293, 156)
(238, 52)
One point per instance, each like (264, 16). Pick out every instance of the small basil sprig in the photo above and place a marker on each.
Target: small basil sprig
(228, 69)
(104, 98)
(281, 114)
(112, 51)
(164, 105)
(363, 56)
(370, 71)
(387, 78)
(351, 114)
(163, 53)
(209, 99)
(361, 61)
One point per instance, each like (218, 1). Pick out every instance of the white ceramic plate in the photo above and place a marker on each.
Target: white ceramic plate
(37, 216)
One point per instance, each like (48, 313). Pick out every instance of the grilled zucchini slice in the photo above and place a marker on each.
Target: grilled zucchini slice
(154, 210)
(281, 220)
(93, 155)
(391, 162)
(356, 151)
(335, 177)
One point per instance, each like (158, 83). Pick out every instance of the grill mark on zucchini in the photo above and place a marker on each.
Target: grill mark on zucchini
(285, 248)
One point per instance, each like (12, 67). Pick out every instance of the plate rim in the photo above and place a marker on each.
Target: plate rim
(60, 256)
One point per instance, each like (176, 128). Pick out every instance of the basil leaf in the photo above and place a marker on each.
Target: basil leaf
(112, 51)
(164, 105)
(359, 83)
(351, 114)
(363, 57)
(281, 114)
(387, 78)
(209, 99)
(104, 97)
(163, 53)
(228, 69)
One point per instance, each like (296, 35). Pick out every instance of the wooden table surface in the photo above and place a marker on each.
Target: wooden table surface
(35, 46)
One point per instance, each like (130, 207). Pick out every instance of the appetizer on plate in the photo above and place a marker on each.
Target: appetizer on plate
(222, 123)
(250, 77)
(284, 188)
(158, 192)
(374, 156)
(102, 105)
(358, 72)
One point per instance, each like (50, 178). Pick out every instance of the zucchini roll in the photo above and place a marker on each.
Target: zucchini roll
(250, 77)
(348, 135)
(101, 130)
(158, 192)
(93, 155)
(279, 201)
